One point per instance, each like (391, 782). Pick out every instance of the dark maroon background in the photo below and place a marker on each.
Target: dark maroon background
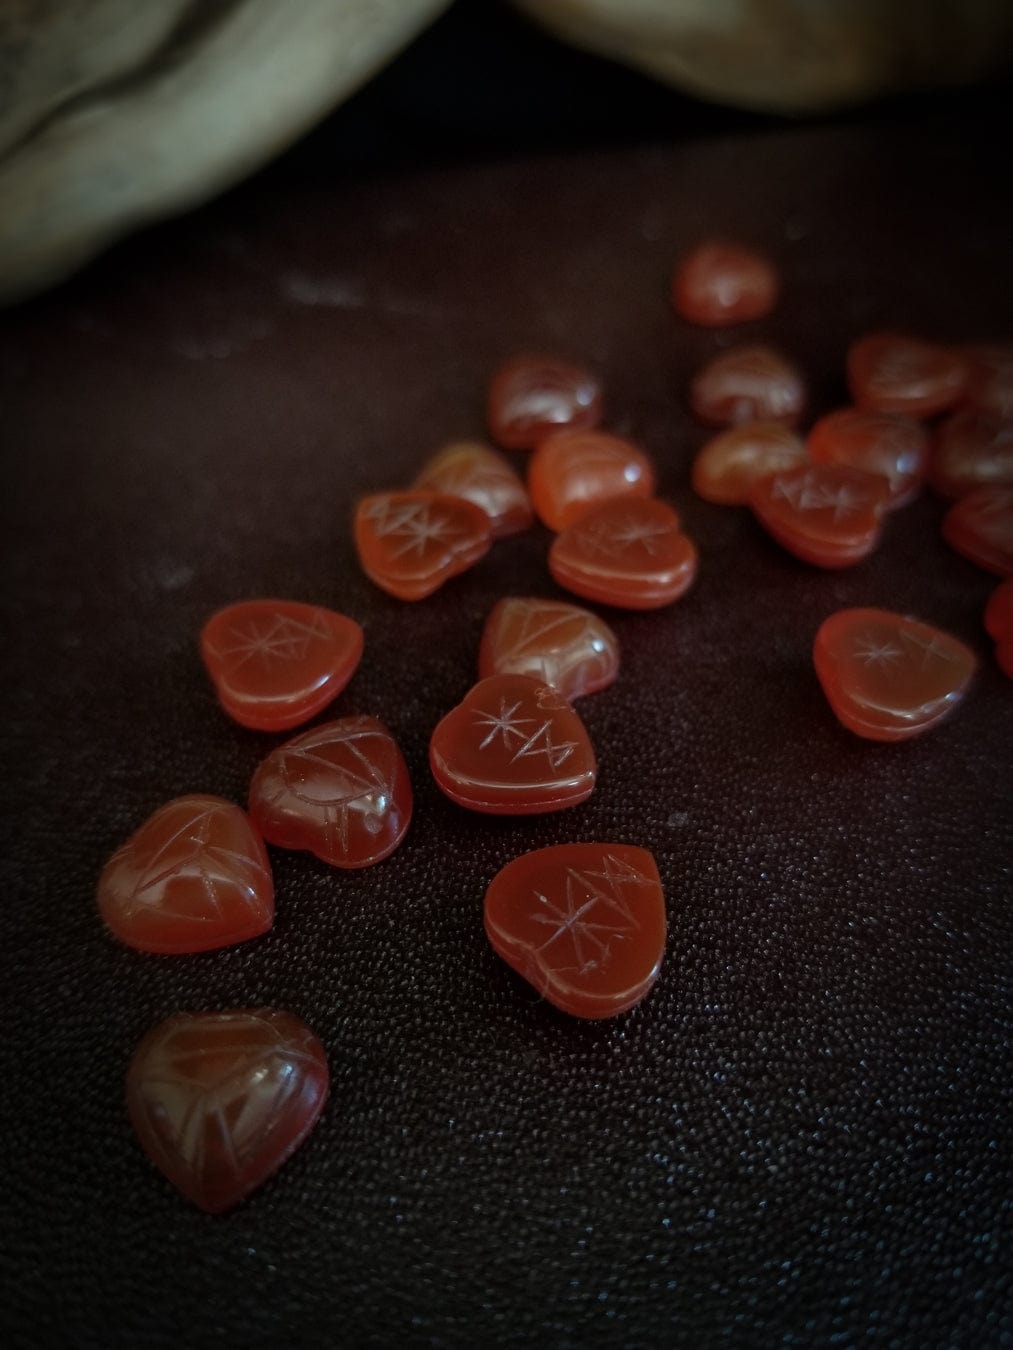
(802, 1136)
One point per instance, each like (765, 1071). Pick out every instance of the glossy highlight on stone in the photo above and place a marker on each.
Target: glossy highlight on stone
(971, 450)
(891, 444)
(722, 283)
(826, 514)
(514, 746)
(583, 923)
(891, 372)
(559, 644)
(630, 553)
(194, 877)
(980, 528)
(410, 543)
(725, 470)
(471, 470)
(340, 791)
(276, 663)
(887, 676)
(219, 1101)
(532, 396)
(748, 384)
(573, 470)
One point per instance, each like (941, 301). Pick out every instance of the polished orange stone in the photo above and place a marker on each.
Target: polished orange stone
(722, 283)
(972, 449)
(748, 384)
(515, 747)
(340, 791)
(890, 444)
(276, 663)
(572, 470)
(532, 396)
(826, 514)
(730, 463)
(887, 676)
(220, 1100)
(890, 372)
(553, 642)
(631, 553)
(583, 923)
(471, 470)
(410, 543)
(980, 528)
(999, 623)
(194, 876)
(990, 383)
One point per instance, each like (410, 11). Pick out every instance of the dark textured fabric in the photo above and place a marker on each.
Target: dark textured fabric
(800, 1138)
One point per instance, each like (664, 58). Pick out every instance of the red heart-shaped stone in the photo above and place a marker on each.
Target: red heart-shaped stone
(887, 676)
(194, 876)
(628, 552)
(514, 746)
(410, 543)
(471, 470)
(583, 923)
(276, 663)
(826, 514)
(980, 528)
(340, 791)
(220, 1100)
(559, 644)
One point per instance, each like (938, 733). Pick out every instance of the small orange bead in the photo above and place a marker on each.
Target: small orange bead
(890, 372)
(722, 283)
(890, 444)
(730, 463)
(972, 449)
(470, 470)
(572, 470)
(556, 643)
(410, 543)
(748, 384)
(990, 384)
(532, 396)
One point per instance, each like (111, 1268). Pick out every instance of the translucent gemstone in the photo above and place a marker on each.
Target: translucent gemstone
(990, 384)
(532, 396)
(276, 663)
(890, 444)
(194, 876)
(220, 1100)
(722, 283)
(340, 791)
(748, 384)
(583, 923)
(514, 746)
(826, 514)
(999, 623)
(980, 528)
(572, 470)
(473, 471)
(730, 463)
(889, 372)
(887, 676)
(630, 552)
(553, 642)
(972, 449)
(410, 543)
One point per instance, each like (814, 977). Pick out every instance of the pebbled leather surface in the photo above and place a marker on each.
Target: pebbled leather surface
(802, 1137)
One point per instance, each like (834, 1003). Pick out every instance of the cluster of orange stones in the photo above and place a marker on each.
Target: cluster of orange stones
(219, 1100)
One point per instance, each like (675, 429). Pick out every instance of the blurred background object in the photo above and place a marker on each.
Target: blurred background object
(114, 114)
